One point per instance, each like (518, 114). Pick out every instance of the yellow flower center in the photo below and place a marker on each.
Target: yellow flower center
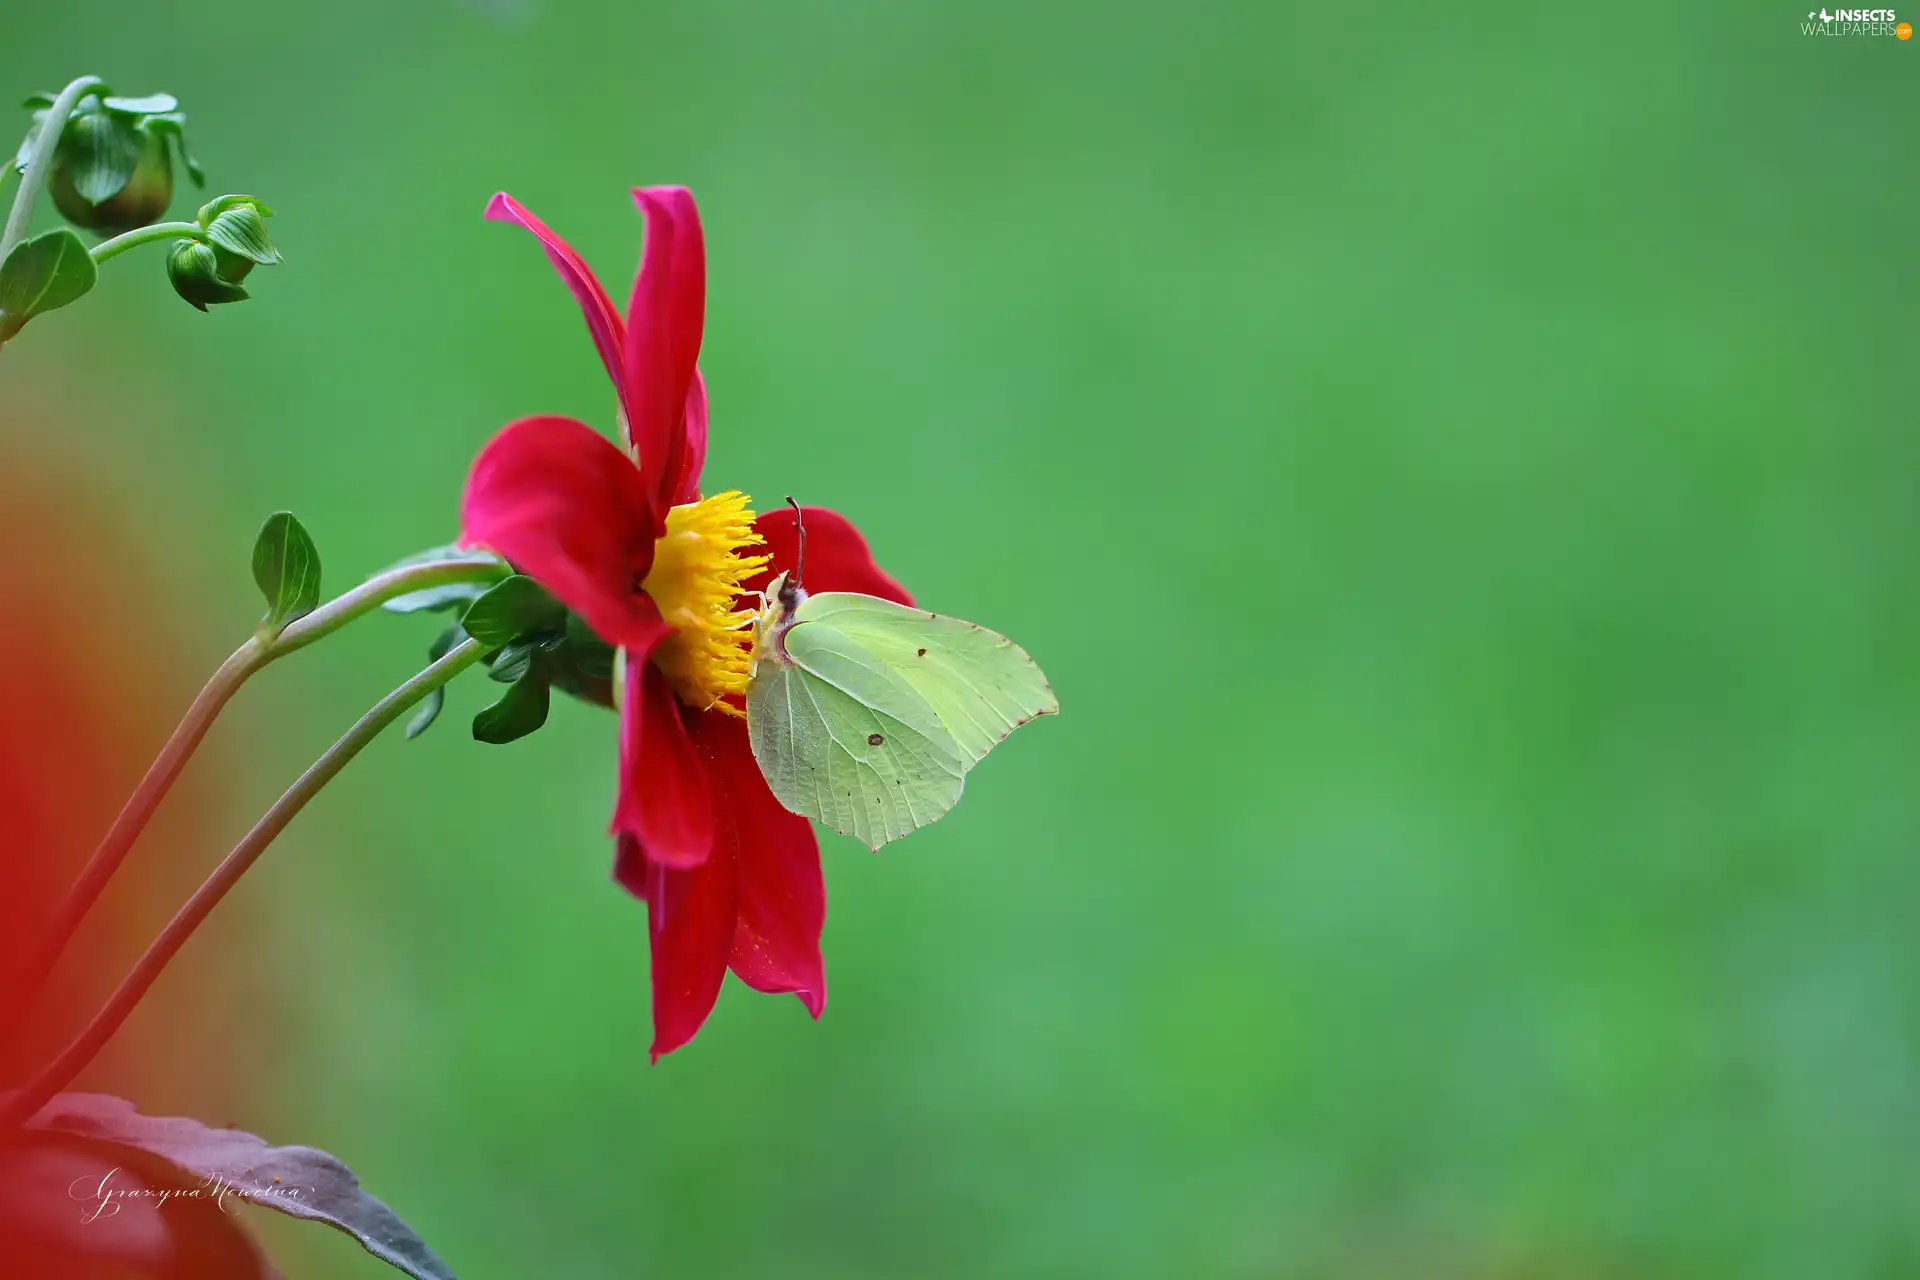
(698, 566)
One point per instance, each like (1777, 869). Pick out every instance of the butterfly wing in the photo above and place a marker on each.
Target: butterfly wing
(980, 684)
(858, 750)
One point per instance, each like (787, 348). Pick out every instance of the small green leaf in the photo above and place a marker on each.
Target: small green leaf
(287, 567)
(152, 105)
(511, 609)
(41, 100)
(243, 231)
(429, 709)
(453, 594)
(99, 153)
(45, 273)
(521, 710)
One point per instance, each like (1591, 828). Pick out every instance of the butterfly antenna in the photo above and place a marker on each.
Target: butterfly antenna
(800, 556)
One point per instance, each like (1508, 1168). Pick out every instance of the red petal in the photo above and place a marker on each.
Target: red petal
(683, 480)
(603, 320)
(664, 320)
(563, 504)
(690, 917)
(665, 801)
(783, 901)
(837, 556)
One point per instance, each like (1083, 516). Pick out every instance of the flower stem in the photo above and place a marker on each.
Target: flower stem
(161, 775)
(22, 1105)
(376, 591)
(144, 235)
(133, 817)
(41, 159)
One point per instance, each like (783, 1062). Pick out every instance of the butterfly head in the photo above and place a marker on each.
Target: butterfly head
(782, 598)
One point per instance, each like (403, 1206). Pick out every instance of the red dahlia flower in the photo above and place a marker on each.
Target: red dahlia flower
(731, 878)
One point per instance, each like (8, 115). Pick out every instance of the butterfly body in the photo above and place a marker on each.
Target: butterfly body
(866, 715)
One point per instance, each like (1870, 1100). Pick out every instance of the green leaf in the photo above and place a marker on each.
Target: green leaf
(521, 710)
(453, 594)
(429, 709)
(152, 105)
(45, 273)
(99, 153)
(298, 1181)
(287, 567)
(41, 100)
(511, 609)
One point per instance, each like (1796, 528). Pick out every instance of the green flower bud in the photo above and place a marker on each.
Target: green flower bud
(207, 270)
(236, 226)
(195, 270)
(142, 195)
(113, 168)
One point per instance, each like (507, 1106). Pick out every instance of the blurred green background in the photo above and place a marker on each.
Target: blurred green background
(1458, 469)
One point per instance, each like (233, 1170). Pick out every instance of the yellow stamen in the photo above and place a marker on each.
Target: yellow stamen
(698, 566)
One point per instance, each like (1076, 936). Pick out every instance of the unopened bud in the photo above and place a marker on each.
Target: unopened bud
(113, 168)
(196, 272)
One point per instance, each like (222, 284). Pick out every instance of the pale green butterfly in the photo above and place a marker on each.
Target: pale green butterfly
(866, 714)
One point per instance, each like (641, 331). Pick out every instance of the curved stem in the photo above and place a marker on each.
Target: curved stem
(41, 160)
(161, 775)
(133, 818)
(21, 1106)
(376, 591)
(144, 235)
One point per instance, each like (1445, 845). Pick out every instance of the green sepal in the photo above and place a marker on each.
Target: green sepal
(512, 660)
(286, 565)
(220, 204)
(153, 104)
(429, 709)
(241, 230)
(453, 594)
(522, 709)
(591, 656)
(41, 101)
(510, 609)
(98, 154)
(196, 271)
(111, 171)
(43, 274)
(580, 663)
(24, 152)
(173, 126)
